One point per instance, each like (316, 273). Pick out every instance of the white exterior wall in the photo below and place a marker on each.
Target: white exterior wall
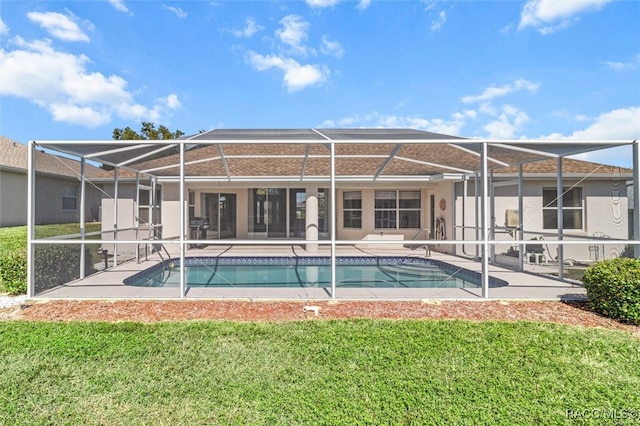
(605, 210)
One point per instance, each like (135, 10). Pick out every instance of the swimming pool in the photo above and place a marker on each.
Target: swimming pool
(353, 272)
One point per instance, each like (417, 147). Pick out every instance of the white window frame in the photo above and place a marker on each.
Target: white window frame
(70, 192)
(553, 207)
(351, 210)
(396, 211)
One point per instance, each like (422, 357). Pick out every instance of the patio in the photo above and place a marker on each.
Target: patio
(109, 284)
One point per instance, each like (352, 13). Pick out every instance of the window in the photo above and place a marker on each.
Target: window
(352, 209)
(391, 205)
(572, 208)
(69, 199)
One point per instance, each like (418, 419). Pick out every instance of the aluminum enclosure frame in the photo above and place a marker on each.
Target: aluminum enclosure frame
(109, 151)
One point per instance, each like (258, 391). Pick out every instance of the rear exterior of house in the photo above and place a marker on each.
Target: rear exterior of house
(281, 192)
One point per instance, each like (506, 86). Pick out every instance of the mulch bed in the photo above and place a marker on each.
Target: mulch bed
(147, 311)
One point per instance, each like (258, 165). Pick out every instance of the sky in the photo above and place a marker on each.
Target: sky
(533, 69)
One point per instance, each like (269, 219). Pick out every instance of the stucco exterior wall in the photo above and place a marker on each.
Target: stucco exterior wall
(605, 211)
(13, 198)
(49, 192)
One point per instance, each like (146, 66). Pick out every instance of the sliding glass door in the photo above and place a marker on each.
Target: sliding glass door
(268, 212)
(219, 211)
(281, 213)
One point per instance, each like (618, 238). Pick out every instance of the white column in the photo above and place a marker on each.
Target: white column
(332, 219)
(31, 216)
(82, 216)
(115, 216)
(636, 199)
(183, 266)
(560, 202)
(485, 221)
(311, 217)
(520, 232)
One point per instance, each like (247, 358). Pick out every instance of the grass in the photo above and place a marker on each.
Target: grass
(314, 372)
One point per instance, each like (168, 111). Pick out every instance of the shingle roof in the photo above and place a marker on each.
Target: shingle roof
(360, 153)
(14, 155)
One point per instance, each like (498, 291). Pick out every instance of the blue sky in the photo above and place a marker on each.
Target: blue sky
(497, 69)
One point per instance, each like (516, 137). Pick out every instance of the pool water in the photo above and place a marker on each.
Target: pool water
(359, 272)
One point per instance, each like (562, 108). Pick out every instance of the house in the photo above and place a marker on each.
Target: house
(330, 188)
(57, 187)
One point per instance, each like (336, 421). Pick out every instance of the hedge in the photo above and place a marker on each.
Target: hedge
(13, 271)
(613, 288)
(58, 264)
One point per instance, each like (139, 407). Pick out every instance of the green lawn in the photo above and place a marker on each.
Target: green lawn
(315, 372)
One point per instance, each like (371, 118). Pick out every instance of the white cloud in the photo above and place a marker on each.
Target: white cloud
(178, 11)
(322, 3)
(172, 101)
(440, 20)
(363, 4)
(84, 116)
(119, 5)
(621, 123)
(499, 91)
(294, 33)
(329, 47)
(507, 123)
(630, 65)
(548, 16)
(4, 30)
(61, 83)
(59, 25)
(250, 28)
(296, 76)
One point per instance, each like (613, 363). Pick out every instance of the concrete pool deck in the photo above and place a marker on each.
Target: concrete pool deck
(109, 284)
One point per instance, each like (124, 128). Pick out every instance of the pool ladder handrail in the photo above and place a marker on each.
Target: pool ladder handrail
(427, 232)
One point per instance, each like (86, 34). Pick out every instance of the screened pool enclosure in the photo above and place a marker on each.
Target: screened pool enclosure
(526, 206)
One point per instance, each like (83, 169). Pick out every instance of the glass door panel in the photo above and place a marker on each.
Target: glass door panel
(227, 216)
(258, 211)
(297, 212)
(276, 212)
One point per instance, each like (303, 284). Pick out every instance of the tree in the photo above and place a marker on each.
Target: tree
(148, 131)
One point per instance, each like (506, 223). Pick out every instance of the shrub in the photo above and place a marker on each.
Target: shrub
(13, 271)
(58, 264)
(613, 288)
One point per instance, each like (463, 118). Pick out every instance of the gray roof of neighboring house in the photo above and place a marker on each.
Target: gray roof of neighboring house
(14, 156)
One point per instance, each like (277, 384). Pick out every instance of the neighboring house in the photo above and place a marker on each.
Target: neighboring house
(57, 188)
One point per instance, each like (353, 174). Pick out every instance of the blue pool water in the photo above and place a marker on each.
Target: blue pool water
(355, 272)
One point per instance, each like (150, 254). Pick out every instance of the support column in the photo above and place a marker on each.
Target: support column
(333, 219)
(82, 216)
(520, 230)
(115, 216)
(183, 226)
(31, 217)
(492, 217)
(311, 217)
(560, 202)
(636, 199)
(485, 220)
